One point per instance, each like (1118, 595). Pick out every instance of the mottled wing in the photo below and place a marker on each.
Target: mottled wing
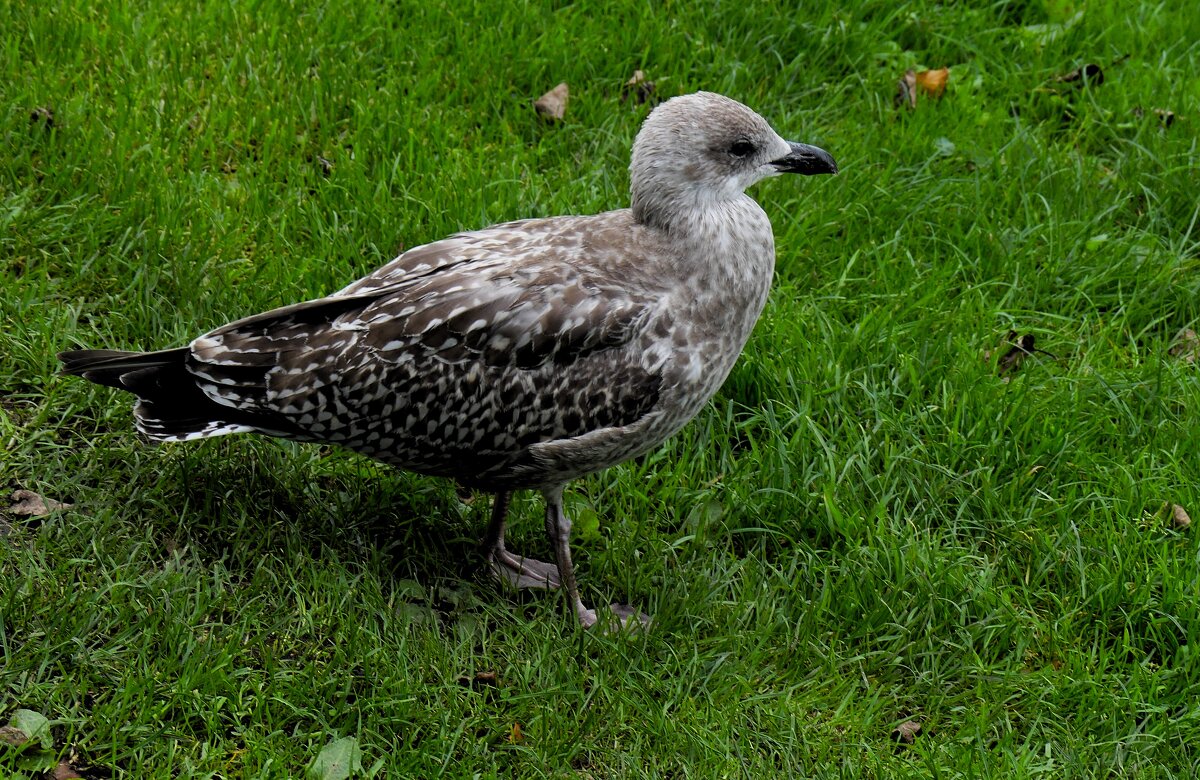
(451, 369)
(457, 250)
(234, 363)
(503, 316)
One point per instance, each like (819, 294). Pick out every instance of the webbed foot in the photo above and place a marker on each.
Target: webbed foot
(522, 572)
(622, 617)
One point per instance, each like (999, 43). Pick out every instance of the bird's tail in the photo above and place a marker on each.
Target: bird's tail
(171, 407)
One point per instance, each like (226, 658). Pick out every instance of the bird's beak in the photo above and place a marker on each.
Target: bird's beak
(805, 159)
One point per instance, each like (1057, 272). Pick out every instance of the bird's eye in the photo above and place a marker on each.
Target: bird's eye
(741, 148)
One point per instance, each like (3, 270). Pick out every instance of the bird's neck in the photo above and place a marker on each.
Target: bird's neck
(730, 251)
(677, 208)
(734, 235)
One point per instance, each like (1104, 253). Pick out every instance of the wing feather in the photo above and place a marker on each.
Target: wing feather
(505, 322)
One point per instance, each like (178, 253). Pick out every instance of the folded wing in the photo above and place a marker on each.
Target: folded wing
(454, 361)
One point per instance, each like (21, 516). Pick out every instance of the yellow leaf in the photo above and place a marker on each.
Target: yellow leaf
(933, 82)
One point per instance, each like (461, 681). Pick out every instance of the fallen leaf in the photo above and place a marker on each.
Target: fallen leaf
(1056, 99)
(64, 771)
(1089, 75)
(906, 732)
(638, 88)
(514, 734)
(480, 680)
(906, 90)
(1165, 118)
(553, 104)
(42, 116)
(337, 760)
(1022, 346)
(930, 82)
(1186, 346)
(32, 725)
(26, 503)
(13, 736)
(933, 82)
(1176, 514)
(1011, 360)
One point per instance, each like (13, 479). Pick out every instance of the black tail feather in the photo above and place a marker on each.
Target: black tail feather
(171, 405)
(127, 371)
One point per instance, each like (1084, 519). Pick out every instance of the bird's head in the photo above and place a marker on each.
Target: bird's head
(697, 150)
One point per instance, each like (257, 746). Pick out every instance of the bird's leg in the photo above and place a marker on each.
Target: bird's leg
(558, 527)
(514, 569)
(495, 529)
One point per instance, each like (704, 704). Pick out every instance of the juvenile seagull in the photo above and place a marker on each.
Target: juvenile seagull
(520, 356)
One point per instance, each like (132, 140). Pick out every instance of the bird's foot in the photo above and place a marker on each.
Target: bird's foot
(621, 617)
(522, 572)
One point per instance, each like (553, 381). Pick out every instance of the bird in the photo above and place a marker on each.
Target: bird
(520, 356)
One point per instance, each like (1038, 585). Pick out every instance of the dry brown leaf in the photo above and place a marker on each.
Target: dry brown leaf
(1165, 118)
(553, 104)
(933, 82)
(1176, 514)
(1021, 346)
(26, 503)
(514, 734)
(11, 735)
(906, 90)
(65, 771)
(1090, 74)
(480, 680)
(1010, 361)
(906, 732)
(1186, 346)
(42, 116)
(930, 82)
(638, 88)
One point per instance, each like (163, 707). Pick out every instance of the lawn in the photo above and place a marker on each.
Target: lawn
(881, 518)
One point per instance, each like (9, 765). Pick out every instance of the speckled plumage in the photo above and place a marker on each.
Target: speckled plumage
(522, 355)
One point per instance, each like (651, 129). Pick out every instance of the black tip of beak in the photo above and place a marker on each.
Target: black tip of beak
(806, 160)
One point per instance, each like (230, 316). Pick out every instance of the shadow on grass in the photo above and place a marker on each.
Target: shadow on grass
(310, 506)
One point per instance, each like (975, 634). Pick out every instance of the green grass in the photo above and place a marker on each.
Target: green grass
(866, 525)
